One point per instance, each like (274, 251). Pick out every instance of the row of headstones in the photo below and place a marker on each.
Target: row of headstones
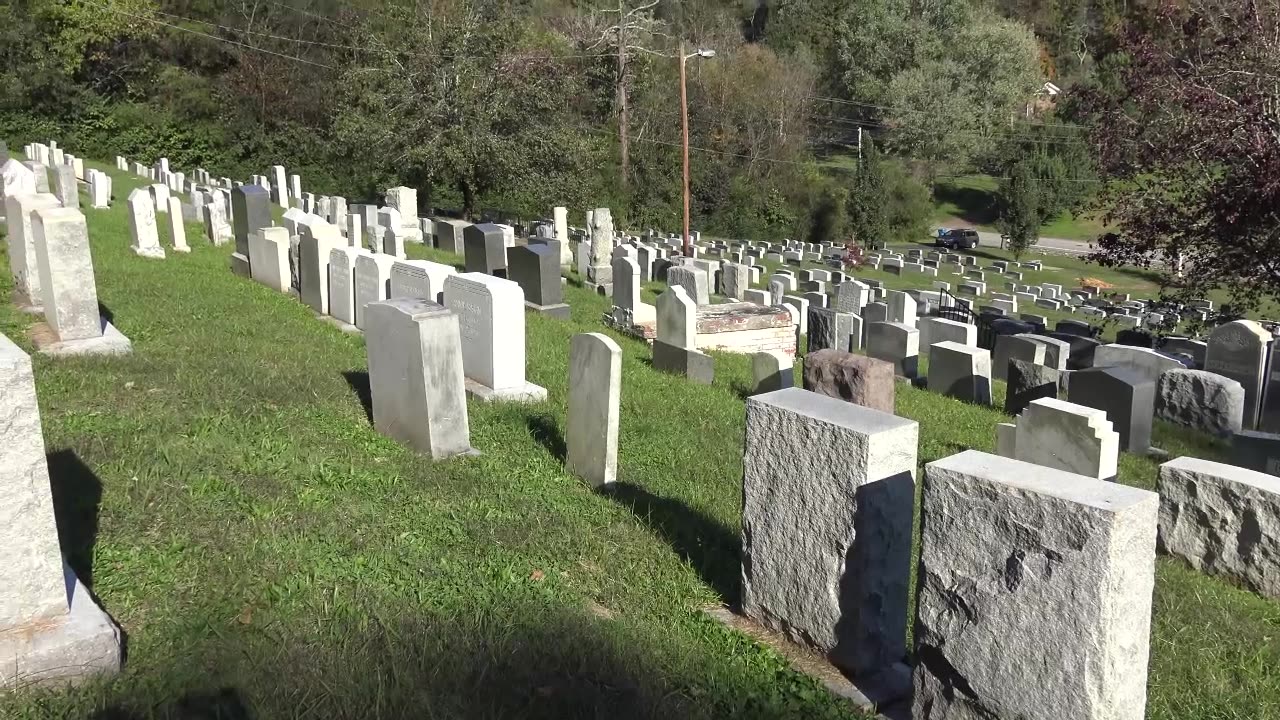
(51, 264)
(1056, 544)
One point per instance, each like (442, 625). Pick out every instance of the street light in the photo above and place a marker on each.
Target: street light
(684, 132)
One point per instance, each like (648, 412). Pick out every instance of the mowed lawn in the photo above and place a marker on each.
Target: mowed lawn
(269, 555)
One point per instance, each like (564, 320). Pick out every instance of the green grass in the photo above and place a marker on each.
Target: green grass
(270, 555)
(970, 200)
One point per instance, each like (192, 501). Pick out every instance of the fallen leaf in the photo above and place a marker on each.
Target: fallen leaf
(537, 575)
(246, 615)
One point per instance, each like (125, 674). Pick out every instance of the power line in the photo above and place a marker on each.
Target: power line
(841, 101)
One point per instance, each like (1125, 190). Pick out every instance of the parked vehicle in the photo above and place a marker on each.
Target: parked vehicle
(959, 239)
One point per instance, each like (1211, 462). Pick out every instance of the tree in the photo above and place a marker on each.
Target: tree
(868, 203)
(1193, 147)
(1020, 206)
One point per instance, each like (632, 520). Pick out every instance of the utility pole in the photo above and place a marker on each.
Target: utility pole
(684, 134)
(859, 145)
(623, 143)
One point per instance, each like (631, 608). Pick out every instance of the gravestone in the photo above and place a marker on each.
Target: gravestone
(405, 201)
(990, 593)
(65, 187)
(836, 330)
(772, 370)
(342, 269)
(250, 212)
(561, 218)
(628, 310)
(279, 186)
(100, 190)
(316, 243)
(69, 290)
(450, 235)
(142, 225)
(1239, 350)
(1218, 518)
(1074, 327)
(1062, 435)
(674, 349)
(1027, 382)
(485, 250)
(1150, 363)
(1127, 396)
(1015, 347)
(851, 296)
(693, 280)
(536, 269)
(1080, 349)
(24, 261)
(177, 228)
(51, 630)
(1135, 338)
(853, 378)
(410, 280)
(372, 282)
(960, 371)
(491, 317)
(269, 258)
(902, 308)
(826, 531)
(595, 390)
(895, 343)
(1201, 400)
(599, 275)
(416, 376)
(735, 279)
(936, 330)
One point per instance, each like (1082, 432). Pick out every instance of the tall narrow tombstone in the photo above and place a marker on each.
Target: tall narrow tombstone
(342, 268)
(675, 350)
(561, 217)
(960, 371)
(627, 308)
(416, 376)
(295, 190)
(51, 630)
(828, 493)
(99, 190)
(159, 197)
(1213, 516)
(485, 250)
(142, 225)
(1127, 396)
(595, 390)
(177, 228)
(536, 269)
(1239, 350)
(491, 314)
(372, 282)
(279, 186)
(24, 261)
(1005, 546)
(65, 186)
(600, 251)
(40, 171)
(250, 212)
(315, 244)
(735, 280)
(269, 258)
(405, 200)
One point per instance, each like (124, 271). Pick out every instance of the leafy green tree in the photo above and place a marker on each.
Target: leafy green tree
(869, 201)
(1020, 207)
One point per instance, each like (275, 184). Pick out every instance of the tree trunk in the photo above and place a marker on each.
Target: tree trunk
(468, 200)
(623, 143)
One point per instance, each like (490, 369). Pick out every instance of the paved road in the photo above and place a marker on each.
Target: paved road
(1052, 245)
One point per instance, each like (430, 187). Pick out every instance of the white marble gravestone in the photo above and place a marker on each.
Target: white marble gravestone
(491, 317)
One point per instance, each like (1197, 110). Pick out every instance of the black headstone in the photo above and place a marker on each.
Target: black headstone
(1082, 349)
(536, 269)
(1127, 396)
(1026, 382)
(1074, 327)
(484, 249)
(1135, 338)
(1009, 326)
(1256, 450)
(250, 212)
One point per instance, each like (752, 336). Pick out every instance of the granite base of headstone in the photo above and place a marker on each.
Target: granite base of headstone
(693, 364)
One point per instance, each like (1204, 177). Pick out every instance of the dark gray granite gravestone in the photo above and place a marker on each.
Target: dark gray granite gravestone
(484, 249)
(1127, 396)
(1028, 381)
(536, 269)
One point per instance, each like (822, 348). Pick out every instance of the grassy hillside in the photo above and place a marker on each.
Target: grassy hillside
(269, 555)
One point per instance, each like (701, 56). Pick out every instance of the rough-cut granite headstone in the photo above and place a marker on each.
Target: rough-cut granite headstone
(828, 493)
(1201, 400)
(1029, 381)
(853, 378)
(595, 390)
(1034, 593)
(1223, 520)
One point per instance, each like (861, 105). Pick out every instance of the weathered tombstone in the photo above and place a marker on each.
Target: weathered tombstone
(536, 269)
(485, 250)
(595, 390)
(852, 378)
(372, 282)
(416, 376)
(772, 370)
(895, 343)
(1217, 518)
(250, 212)
(844, 596)
(735, 279)
(1091, 558)
(693, 280)
(937, 329)
(51, 630)
(491, 316)
(410, 280)
(830, 329)
(674, 349)
(599, 275)
(177, 228)
(450, 235)
(560, 216)
(159, 197)
(627, 307)
(142, 225)
(902, 308)
(269, 258)
(851, 296)
(40, 171)
(24, 261)
(1238, 350)
(1200, 400)
(1127, 396)
(1015, 347)
(1140, 359)
(1062, 435)
(1027, 382)
(960, 371)
(342, 297)
(65, 187)
(405, 200)
(315, 244)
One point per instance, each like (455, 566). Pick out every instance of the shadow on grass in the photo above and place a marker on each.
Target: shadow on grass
(526, 660)
(742, 390)
(976, 206)
(359, 382)
(547, 433)
(77, 494)
(713, 551)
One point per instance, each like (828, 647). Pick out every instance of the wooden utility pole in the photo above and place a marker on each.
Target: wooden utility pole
(684, 145)
(623, 142)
